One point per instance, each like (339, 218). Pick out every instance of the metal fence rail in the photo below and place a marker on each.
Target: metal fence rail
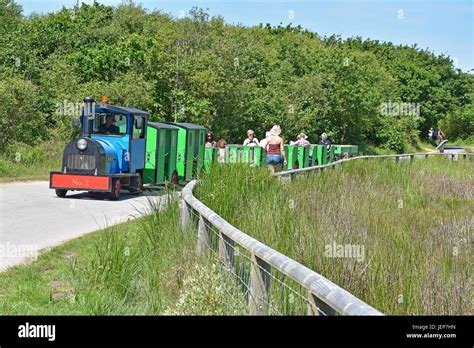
(323, 296)
(290, 174)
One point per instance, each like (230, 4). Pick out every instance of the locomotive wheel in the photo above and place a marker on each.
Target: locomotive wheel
(175, 178)
(138, 185)
(116, 187)
(61, 193)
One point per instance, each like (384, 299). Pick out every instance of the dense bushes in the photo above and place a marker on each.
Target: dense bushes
(226, 77)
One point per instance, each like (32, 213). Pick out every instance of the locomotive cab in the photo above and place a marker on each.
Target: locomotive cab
(109, 155)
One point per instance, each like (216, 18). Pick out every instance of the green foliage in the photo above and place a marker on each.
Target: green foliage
(397, 134)
(229, 78)
(459, 124)
(209, 290)
(19, 161)
(20, 119)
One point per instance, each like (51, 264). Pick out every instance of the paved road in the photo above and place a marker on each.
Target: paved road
(33, 218)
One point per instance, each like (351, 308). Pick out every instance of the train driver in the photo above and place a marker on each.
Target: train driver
(109, 127)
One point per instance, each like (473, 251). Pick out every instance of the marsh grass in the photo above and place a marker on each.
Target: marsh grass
(413, 220)
(140, 267)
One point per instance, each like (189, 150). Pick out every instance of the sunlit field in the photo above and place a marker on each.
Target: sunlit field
(397, 236)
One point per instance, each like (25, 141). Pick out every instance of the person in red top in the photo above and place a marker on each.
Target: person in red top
(275, 148)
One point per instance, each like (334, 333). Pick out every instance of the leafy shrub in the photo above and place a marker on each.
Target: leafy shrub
(209, 291)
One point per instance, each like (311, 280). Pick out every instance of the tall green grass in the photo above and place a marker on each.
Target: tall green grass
(414, 221)
(23, 162)
(143, 267)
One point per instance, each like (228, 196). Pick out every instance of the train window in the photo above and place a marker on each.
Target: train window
(138, 127)
(110, 124)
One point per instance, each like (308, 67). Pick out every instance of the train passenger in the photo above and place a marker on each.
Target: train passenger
(210, 140)
(325, 141)
(264, 142)
(302, 140)
(276, 149)
(251, 140)
(221, 146)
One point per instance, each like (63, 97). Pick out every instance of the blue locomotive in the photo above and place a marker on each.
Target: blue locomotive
(109, 155)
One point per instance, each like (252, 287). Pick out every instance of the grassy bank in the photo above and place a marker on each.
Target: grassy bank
(21, 162)
(413, 222)
(147, 266)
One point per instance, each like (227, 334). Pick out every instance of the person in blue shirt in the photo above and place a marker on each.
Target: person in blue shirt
(325, 141)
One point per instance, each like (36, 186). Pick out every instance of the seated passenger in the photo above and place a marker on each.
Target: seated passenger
(108, 127)
(251, 140)
(210, 140)
(302, 140)
(221, 145)
(325, 141)
(264, 142)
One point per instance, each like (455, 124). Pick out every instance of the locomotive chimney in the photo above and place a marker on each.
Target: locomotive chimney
(87, 117)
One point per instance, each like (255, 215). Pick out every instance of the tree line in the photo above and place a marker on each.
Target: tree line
(229, 78)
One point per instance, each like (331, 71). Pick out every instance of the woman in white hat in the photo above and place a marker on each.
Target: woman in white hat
(275, 148)
(302, 140)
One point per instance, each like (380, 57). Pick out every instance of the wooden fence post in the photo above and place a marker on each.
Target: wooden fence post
(259, 286)
(226, 250)
(185, 214)
(204, 236)
(315, 303)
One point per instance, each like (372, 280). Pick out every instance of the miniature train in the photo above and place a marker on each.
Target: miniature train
(119, 148)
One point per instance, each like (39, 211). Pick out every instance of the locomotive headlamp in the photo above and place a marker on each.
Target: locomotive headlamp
(82, 144)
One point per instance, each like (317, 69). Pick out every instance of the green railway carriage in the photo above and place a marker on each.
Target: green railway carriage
(259, 156)
(291, 157)
(302, 155)
(341, 151)
(160, 161)
(246, 154)
(190, 149)
(232, 153)
(251, 155)
(211, 155)
(297, 156)
(321, 155)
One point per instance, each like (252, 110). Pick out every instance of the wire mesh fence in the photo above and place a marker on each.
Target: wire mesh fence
(281, 296)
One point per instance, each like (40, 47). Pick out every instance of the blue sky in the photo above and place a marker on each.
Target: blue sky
(442, 26)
